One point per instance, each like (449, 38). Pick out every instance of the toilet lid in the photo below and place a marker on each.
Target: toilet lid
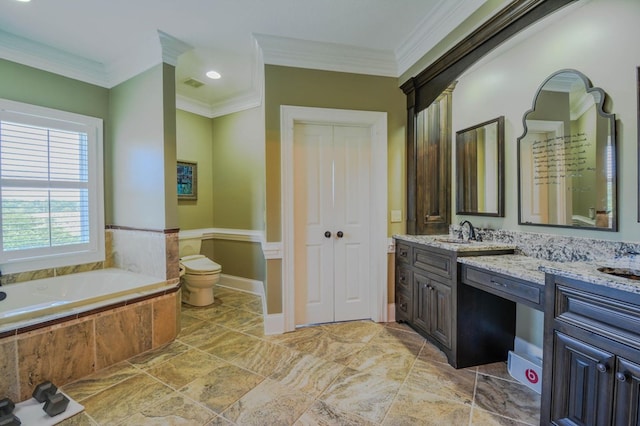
(199, 264)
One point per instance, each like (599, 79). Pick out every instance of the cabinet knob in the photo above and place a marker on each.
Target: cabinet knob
(602, 367)
(340, 234)
(327, 234)
(621, 376)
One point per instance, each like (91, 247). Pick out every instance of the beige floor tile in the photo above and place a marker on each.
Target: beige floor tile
(322, 414)
(509, 399)
(264, 358)
(160, 355)
(330, 347)
(81, 419)
(221, 387)
(126, 398)
(400, 340)
(308, 373)
(229, 344)
(383, 361)
(185, 368)
(426, 409)
(103, 379)
(442, 380)
(358, 331)
(202, 336)
(363, 394)
(269, 403)
(430, 353)
(173, 411)
(497, 369)
(484, 418)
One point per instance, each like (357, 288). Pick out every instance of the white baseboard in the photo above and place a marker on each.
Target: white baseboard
(243, 284)
(391, 312)
(273, 324)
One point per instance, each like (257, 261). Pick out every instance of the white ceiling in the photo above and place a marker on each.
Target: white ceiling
(105, 42)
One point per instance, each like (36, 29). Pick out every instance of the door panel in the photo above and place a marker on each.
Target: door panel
(627, 398)
(313, 203)
(583, 383)
(351, 185)
(331, 187)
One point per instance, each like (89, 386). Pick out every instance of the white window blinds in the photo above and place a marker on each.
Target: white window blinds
(50, 194)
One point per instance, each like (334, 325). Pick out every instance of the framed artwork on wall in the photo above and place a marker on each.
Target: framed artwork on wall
(187, 180)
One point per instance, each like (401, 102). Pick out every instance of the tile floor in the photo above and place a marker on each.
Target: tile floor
(222, 370)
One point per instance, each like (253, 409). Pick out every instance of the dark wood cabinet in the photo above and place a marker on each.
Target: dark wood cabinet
(470, 326)
(591, 372)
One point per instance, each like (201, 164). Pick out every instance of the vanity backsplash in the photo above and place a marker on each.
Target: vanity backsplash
(557, 248)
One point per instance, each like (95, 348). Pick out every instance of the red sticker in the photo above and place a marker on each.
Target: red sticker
(531, 375)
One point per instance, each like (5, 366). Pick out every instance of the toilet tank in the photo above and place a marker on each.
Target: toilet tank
(189, 242)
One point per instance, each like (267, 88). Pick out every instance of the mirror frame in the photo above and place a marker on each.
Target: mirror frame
(595, 91)
(460, 177)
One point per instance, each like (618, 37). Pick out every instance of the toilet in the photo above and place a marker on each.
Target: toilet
(198, 273)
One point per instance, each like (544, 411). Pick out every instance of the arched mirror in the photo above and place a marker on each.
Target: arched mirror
(567, 157)
(480, 169)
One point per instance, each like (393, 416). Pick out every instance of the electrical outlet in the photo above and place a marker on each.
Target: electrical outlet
(396, 216)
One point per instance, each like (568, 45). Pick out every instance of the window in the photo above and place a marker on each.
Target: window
(51, 188)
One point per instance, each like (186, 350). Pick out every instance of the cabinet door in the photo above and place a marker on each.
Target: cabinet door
(421, 306)
(440, 301)
(627, 396)
(582, 383)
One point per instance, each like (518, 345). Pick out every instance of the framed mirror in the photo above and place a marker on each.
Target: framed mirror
(480, 169)
(567, 157)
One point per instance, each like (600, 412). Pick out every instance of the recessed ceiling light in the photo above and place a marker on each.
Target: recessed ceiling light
(213, 74)
(24, 1)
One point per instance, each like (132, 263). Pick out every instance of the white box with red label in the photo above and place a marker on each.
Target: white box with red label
(526, 369)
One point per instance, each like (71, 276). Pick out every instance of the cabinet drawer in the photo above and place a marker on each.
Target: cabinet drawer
(432, 262)
(510, 288)
(403, 280)
(403, 307)
(615, 319)
(403, 253)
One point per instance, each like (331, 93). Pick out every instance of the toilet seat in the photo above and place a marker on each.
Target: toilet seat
(198, 264)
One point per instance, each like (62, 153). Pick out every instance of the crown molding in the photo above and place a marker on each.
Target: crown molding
(326, 56)
(172, 48)
(447, 16)
(38, 55)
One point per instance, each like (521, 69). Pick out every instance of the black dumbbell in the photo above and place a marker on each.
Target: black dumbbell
(56, 404)
(43, 390)
(9, 420)
(6, 406)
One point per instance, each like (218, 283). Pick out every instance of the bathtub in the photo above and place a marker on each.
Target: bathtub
(67, 327)
(43, 300)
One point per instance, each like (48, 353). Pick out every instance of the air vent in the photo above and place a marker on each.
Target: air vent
(193, 82)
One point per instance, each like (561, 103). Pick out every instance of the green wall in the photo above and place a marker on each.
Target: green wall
(326, 89)
(33, 86)
(141, 154)
(239, 170)
(195, 144)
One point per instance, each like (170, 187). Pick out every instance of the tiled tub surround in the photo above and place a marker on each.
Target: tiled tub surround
(83, 344)
(73, 345)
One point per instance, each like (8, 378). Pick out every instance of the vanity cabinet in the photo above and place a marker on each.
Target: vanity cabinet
(470, 326)
(591, 372)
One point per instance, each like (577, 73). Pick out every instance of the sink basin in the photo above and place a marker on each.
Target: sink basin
(453, 241)
(633, 274)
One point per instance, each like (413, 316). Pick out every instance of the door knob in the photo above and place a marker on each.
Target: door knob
(340, 234)
(327, 234)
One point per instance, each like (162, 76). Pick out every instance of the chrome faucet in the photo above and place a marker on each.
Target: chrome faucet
(472, 231)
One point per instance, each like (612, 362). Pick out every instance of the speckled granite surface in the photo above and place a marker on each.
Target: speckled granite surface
(536, 253)
(513, 265)
(448, 242)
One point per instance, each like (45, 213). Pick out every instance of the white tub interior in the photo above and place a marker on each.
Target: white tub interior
(31, 302)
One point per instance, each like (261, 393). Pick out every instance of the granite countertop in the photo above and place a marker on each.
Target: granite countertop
(448, 242)
(514, 265)
(588, 271)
